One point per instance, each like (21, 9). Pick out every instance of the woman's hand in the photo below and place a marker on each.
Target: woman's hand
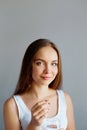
(40, 112)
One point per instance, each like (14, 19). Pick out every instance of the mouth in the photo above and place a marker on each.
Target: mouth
(46, 77)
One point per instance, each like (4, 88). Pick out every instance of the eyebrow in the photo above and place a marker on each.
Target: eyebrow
(44, 60)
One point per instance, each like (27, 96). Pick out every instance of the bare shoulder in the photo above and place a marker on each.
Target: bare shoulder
(70, 112)
(10, 106)
(9, 103)
(67, 95)
(10, 113)
(68, 98)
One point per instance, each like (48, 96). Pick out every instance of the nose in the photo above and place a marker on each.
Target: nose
(47, 69)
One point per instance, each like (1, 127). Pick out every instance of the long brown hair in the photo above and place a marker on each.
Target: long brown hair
(25, 77)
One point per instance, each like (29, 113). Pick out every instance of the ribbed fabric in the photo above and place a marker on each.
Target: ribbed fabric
(59, 121)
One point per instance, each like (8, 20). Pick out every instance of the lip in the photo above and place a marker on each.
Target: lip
(46, 77)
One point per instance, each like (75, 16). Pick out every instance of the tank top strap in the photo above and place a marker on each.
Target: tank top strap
(62, 100)
(23, 111)
(22, 108)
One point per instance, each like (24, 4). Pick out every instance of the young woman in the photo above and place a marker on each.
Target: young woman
(38, 102)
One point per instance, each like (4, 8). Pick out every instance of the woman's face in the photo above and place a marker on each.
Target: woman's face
(45, 66)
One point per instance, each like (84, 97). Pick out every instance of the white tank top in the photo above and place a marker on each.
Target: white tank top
(59, 121)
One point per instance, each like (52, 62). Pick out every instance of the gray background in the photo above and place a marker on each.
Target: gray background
(62, 21)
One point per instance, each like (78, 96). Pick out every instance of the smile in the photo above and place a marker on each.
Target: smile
(46, 77)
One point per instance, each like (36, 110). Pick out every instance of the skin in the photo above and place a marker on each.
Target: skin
(40, 98)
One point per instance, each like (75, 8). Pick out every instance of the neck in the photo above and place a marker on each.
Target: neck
(39, 91)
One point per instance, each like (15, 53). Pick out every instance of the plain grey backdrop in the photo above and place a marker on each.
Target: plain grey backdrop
(62, 21)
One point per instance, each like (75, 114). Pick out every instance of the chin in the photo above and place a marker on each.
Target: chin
(46, 83)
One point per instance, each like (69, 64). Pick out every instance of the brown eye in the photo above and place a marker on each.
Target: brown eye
(54, 64)
(38, 63)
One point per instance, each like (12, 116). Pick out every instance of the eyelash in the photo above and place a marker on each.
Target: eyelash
(54, 64)
(39, 63)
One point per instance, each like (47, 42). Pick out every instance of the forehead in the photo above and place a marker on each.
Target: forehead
(47, 53)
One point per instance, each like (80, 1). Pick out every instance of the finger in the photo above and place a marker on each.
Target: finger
(39, 104)
(40, 110)
(42, 114)
(43, 107)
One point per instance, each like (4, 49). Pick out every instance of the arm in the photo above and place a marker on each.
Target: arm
(11, 120)
(70, 113)
(31, 126)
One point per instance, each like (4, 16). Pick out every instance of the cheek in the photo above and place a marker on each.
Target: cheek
(55, 71)
(36, 71)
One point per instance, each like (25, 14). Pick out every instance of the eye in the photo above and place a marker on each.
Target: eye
(54, 64)
(38, 62)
